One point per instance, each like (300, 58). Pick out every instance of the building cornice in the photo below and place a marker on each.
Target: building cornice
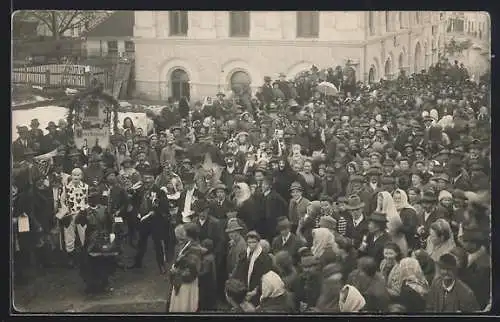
(250, 42)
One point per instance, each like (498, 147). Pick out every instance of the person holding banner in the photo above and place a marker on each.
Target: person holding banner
(153, 220)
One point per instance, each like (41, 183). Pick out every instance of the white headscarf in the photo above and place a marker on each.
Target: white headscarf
(272, 285)
(354, 301)
(322, 239)
(404, 200)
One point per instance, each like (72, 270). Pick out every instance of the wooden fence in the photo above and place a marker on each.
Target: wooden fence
(60, 75)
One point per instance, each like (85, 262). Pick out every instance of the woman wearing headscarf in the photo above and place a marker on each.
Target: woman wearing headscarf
(336, 295)
(324, 246)
(274, 297)
(407, 282)
(408, 215)
(440, 240)
(385, 204)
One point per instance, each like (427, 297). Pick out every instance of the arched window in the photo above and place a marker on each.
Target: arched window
(388, 69)
(180, 84)
(371, 22)
(240, 80)
(371, 75)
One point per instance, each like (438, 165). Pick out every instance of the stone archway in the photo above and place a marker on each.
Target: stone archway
(297, 68)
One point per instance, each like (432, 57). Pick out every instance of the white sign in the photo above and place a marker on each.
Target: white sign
(92, 137)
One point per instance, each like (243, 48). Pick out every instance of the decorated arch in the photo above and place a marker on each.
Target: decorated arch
(92, 118)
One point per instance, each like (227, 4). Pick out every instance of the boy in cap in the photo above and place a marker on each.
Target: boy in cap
(298, 205)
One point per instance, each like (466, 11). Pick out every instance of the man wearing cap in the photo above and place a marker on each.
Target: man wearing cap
(298, 205)
(113, 197)
(153, 216)
(142, 163)
(286, 240)
(430, 215)
(477, 274)
(22, 143)
(448, 293)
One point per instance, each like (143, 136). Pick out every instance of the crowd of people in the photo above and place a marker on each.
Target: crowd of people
(373, 199)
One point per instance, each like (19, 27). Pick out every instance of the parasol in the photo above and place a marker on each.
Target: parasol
(327, 88)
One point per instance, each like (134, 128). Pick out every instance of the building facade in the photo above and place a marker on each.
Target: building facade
(474, 26)
(197, 53)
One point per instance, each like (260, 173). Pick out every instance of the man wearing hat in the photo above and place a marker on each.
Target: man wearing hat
(153, 216)
(388, 168)
(373, 243)
(371, 189)
(477, 274)
(309, 284)
(22, 143)
(266, 91)
(237, 245)
(210, 227)
(190, 194)
(447, 292)
(220, 205)
(142, 163)
(459, 177)
(51, 140)
(298, 205)
(357, 226)
(113, 197)
(273, 206)
(229, 171)
(430, 215)
(388, 183)
(286, 240)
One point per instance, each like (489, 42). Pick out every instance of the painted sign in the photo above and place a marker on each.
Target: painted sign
(92, 127)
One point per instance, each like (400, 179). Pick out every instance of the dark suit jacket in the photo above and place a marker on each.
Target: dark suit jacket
(219, 211)
(197, 193)
(292, 246)
(159, 220)
(212, 230)
(375, 248)
(478, 277)
(118, 196)
(262, 265)
(274, 206)
(358, 232)
(18, 148)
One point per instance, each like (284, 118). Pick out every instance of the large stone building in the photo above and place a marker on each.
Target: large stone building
(197, 53)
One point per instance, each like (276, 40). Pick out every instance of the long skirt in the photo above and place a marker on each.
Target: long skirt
(186, 300)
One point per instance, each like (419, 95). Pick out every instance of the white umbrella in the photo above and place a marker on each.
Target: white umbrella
(327, 89)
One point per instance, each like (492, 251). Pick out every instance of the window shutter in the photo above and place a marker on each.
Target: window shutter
(184, 22)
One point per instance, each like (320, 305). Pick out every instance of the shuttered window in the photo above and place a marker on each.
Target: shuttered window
(308, 24)
(178, 23)
(239, 22)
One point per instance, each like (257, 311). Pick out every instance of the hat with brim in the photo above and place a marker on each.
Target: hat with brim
(373, 171)
(126, 160)
(354, 202)
(109, 171)
(233, 226)
(428, 197)
(296, 186)
(34, 122)
(267, 79)
(308, 261)
(22, 129)
(447, 261)
(357, 178)
(387, 180)
(200, 205)
(148, 171)
(51, 125)
(220, 186)
(332, 269)
(221, 94)
(378, 217)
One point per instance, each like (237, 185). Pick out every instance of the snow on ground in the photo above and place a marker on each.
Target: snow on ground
(45, 114)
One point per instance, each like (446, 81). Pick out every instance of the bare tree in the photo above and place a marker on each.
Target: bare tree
(60, 21)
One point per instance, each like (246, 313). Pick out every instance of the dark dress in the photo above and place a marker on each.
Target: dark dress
(208, 283)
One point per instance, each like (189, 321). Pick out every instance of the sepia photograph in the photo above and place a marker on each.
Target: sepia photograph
(250, 162)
